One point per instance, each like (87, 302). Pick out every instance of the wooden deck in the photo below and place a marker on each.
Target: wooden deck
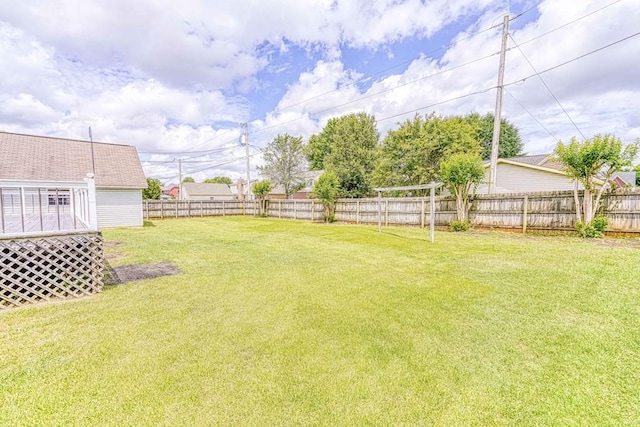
(13, 224)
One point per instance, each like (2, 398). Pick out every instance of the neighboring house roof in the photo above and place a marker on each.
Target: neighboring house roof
(43, 158)
(205, 189)
(536, 160)
(624, 179)
(542, 162)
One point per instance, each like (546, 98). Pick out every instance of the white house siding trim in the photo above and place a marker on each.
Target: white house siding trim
(513, 178)
(119, 207)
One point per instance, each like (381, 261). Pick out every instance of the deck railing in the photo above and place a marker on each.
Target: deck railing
(34, 208)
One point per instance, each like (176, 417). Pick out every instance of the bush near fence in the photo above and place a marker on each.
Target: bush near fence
(550, 211)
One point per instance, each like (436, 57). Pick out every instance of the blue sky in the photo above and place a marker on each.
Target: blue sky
(178, 82)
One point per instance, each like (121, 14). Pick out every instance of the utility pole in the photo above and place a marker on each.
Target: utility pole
(245, 137)
(493, 171)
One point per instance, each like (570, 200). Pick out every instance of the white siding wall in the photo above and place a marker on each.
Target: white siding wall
(517, 179)
(119, 207)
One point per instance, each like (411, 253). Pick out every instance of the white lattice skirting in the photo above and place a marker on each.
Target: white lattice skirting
(38, 269)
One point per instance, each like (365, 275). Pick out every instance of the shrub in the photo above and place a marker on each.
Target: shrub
(593, 230)
(457, 225)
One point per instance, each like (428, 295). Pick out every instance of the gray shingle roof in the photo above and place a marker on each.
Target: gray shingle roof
(536, 160)
(43, 158)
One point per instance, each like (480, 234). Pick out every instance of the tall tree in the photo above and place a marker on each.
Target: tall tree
(153, 190)
(510, 143)
(188, 179)
(593, 160)
(285, 163)
(461, 172)
(347, 147)
(218, 180)
(412, 153)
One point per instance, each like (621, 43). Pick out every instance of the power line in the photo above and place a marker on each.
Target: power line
(368, 76)
(379, 93)
(566, 113)
(513, 82)
(531, 114)
(574, 59)
(570, 22)
(437, 103)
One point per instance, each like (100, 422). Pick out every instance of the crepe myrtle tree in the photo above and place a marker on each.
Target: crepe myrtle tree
(326, 189)
(592, 163)
(461, 173)
(260, 190)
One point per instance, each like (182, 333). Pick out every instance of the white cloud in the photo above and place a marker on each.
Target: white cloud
(168, 78)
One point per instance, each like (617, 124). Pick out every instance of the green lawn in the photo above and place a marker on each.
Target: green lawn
(277, 322)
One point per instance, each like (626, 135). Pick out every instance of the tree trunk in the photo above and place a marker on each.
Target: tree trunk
(461, 206)
(587, 206)
(577, 202)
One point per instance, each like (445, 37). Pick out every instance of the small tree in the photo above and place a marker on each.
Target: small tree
(260, 190)
(219, 180)
(326, 189)
(637, 171)
(188, 179)
(461, 172)
(153, 190)
(592, 162)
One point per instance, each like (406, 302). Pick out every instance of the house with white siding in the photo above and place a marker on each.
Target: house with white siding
(527, 174)
(57, 162)
(206, 191)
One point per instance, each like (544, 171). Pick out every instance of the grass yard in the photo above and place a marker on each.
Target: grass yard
(277, 322)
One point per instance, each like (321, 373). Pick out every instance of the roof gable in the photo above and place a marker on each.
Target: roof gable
(41, 158)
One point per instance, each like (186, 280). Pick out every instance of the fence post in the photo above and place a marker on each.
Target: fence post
(177, 203)
(422, 213)
(201, 209)
(525, 208)
(161, 209)
(294, 210)
(357, 211)
(223, 211)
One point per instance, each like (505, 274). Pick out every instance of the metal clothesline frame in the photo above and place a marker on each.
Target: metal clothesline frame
(432, 200)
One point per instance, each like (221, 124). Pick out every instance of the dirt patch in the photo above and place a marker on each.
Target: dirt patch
(129, 273)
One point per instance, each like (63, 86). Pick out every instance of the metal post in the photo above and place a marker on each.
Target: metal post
(22, 207)
(40, 208)
(432, 214)
(379, 211)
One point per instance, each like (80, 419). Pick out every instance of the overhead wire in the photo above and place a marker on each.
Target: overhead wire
(574, 59)
(570, 22)
(531, 114)
(309, 114)
(566, 113)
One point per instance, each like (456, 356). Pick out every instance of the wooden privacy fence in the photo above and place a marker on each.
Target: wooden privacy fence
(553, 211)
(36, 269)
(198, 208)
